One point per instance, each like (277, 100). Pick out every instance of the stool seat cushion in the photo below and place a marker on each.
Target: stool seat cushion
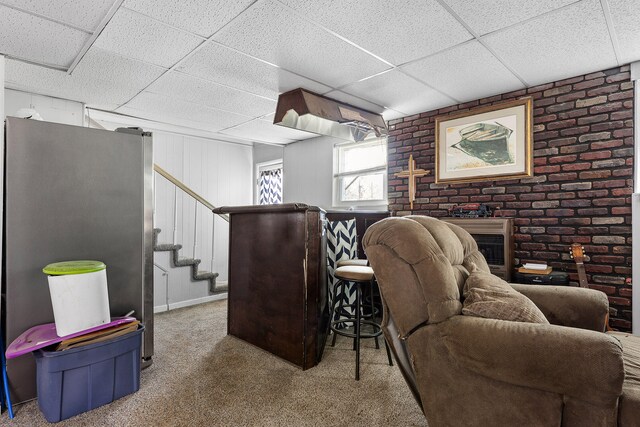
(354, 272)
(360, 262)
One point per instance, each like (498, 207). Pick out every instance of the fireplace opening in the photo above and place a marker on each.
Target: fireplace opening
(492, 247)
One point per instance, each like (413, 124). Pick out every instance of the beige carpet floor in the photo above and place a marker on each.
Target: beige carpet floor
(201, 377)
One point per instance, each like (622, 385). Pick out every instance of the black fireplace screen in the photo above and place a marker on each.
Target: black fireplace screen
(492, 247)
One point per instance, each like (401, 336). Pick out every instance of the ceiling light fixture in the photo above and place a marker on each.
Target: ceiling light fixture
(307, 111)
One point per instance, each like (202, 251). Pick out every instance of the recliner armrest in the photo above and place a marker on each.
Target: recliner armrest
(569, 306)
(584, 364)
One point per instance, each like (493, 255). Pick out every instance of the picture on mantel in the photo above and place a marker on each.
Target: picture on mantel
(488, 143)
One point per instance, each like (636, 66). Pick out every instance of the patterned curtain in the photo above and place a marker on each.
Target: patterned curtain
(270, 187)
(342, 243)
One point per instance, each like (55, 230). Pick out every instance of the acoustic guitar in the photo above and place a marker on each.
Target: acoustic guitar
(577, 254)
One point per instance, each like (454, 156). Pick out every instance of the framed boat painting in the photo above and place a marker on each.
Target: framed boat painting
(486, 143)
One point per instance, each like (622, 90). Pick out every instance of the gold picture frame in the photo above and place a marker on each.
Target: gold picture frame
(485, 144)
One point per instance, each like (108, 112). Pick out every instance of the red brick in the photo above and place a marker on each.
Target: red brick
(576, 167)
(544, 221)
(615, 183)
(561, 124)
(569, 176)
(621, 211)
(578, 203)
(606, 144)
(588, 175)
(618, 77)
(561, 196)
(578, 148)
(562, 141)
(591, 268)
(589, 83)
(623, 172)
(619, 115)
(560, 212)
(594, 155)
(605, 108)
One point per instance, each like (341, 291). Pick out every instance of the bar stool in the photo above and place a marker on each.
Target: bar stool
(358, 276)
(346, 262)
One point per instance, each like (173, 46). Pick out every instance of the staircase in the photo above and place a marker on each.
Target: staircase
(194, 263)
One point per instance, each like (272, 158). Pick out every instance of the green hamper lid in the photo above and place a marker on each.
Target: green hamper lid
(73, 267)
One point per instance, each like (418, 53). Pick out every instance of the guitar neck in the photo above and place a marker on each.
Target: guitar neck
(582, 275)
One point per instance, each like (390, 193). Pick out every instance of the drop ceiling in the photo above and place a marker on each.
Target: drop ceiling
(217, 67)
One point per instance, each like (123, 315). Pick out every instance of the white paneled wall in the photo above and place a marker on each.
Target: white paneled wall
(222, 174)
(51, 109)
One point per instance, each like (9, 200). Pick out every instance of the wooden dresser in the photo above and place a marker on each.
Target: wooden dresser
(278, 280)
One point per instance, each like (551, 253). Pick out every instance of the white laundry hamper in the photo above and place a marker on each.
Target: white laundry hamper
(79, 295)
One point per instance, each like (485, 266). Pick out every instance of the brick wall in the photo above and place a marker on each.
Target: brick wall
(582, 183)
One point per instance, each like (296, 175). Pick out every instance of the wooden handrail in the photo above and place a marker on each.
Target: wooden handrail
(175, 181)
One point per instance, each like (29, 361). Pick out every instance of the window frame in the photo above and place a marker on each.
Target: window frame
(337, 175)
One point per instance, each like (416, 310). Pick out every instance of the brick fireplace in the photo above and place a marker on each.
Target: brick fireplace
(582, 183)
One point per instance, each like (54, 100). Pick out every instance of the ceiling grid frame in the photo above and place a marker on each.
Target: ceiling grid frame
(479, 39)
(393, 66)
(612, 31)
(188, 55)
(615, 40)
(48, 18)
(94, 36)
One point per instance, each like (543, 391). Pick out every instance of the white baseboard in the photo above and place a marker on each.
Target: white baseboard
(188, 303)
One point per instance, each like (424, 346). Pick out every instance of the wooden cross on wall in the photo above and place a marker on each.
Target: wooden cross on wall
(412, 173)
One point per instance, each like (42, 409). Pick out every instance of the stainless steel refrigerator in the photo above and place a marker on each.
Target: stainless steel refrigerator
(74, 193)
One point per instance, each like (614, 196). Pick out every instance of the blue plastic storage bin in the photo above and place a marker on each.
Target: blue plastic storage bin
(74, 381)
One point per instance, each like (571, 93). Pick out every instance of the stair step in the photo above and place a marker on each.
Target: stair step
(166, 247)
(181, 262)
(220, 288)
(205, 275)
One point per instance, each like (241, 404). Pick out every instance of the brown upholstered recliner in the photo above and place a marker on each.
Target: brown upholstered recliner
(471, 371)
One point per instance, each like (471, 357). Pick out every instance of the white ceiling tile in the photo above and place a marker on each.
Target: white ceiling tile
(572, 41)
(101, 80)
(392, 115)
(171, 110)
(82, 14)
(165, 118)
(135, 36)
(203, 17)
(466, 72)
(39, 40)
(625, 15)
(399, 92)
(486, 16)
(226, 66)
(266, 131)
(272, 32)
(193, 89)
(396, 32)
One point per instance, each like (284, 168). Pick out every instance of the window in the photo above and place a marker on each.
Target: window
(269, 191)
(360, 174)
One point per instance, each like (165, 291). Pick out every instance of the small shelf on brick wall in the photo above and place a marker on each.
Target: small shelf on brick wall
(495, 240)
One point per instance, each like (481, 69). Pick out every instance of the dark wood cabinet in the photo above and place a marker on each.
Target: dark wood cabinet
(277, 280)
